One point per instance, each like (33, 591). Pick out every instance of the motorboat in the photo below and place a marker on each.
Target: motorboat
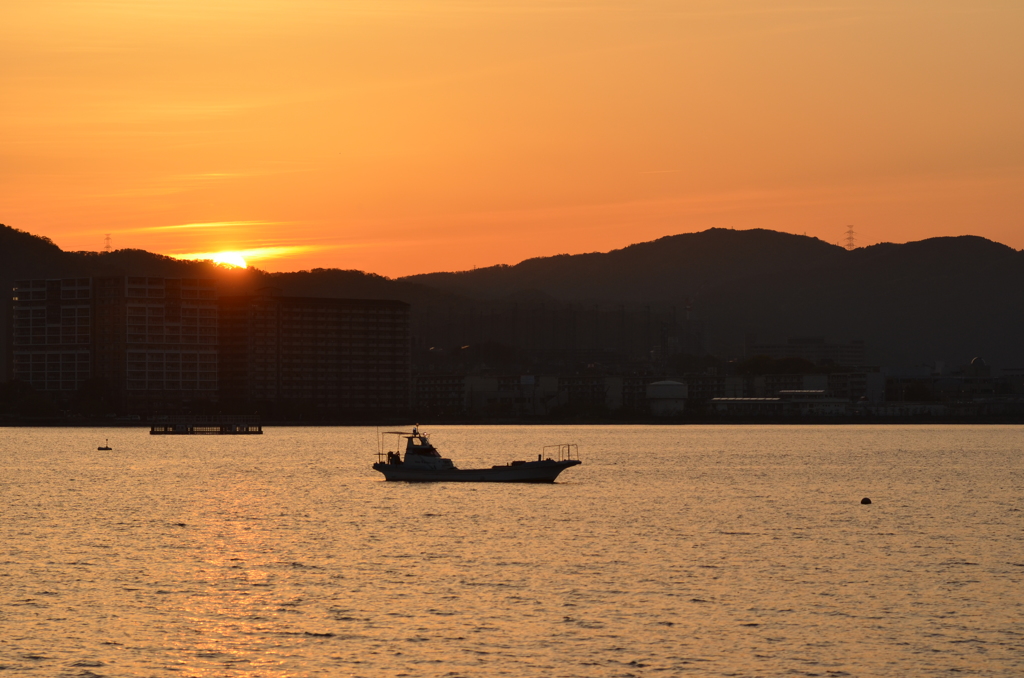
(422, 462)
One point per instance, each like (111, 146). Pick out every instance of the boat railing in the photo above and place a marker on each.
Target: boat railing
(563, 452)
(384, 451)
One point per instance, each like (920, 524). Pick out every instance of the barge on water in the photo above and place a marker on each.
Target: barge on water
(209, 426)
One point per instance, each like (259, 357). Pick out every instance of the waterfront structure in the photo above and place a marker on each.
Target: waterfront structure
(328, 356)
(207, 425)
(788, 403)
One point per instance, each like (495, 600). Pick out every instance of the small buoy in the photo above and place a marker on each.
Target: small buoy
(865, 500)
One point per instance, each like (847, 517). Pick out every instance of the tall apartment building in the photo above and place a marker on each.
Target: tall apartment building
(338, 355)
(167, 345)
(52, 343)
(152, 341)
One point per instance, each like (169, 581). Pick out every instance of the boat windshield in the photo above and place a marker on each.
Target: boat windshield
(419, 445)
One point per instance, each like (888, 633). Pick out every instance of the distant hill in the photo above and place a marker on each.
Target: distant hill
(947, 299)
(666, 270)
(943, 299)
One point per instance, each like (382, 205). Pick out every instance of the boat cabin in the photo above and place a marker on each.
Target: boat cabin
(417, 444)
(418, 451)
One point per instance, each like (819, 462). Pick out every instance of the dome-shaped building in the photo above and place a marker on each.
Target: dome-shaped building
(978, 368)
(666, 398)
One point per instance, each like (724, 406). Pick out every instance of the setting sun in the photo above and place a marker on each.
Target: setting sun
(224, 258)
(230, 259)
(241, 258)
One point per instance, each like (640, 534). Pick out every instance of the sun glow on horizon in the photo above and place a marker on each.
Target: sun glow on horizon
(235, 259)
(230, 259)
(241, 258)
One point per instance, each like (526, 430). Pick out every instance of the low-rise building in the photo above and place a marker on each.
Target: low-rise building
(591, 392)
(817, 350)
(788, 403)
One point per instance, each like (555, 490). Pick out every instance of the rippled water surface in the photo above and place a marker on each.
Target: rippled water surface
(708, 551)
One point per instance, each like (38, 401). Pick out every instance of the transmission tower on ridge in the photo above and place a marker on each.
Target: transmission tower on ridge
(850, 239)
(106, 242)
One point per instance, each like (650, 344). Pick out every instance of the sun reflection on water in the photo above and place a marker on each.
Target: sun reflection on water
(672, 550)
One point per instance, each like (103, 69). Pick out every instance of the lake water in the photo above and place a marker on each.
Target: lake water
(705, 551)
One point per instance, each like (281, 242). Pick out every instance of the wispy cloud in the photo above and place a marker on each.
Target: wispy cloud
(211, 225)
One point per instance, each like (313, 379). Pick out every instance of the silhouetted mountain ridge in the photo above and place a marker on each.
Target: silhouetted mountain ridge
(946, 298)
(659, 271)
(937, 299)
(23, 255)
(943, 299)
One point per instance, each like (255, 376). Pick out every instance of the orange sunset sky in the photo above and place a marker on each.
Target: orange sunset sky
(407, 136)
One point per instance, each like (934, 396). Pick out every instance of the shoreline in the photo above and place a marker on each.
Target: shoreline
(566, 421)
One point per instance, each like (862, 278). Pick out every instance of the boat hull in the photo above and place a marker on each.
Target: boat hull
(528, 472)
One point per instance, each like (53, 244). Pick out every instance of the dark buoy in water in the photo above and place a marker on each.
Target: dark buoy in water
(865, 500)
